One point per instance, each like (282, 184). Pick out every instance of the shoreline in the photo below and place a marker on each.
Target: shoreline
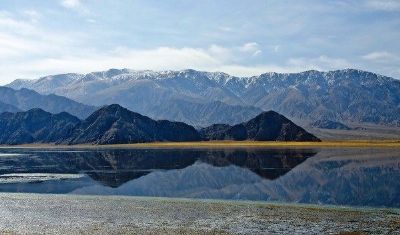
(69, 214)
(225, 144)
(205, 200)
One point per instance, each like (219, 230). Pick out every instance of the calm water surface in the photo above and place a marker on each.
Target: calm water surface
(358, 177)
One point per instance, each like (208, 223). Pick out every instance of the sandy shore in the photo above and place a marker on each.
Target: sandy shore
(70, 214)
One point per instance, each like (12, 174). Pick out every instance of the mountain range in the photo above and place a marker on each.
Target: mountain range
(8, 108)
(268, 126)
(203, 98)
(24, 99)
(327, 124)
(114, 124)
(35, 126)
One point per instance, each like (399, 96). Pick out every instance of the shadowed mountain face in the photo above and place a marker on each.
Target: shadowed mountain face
(265, 127)
(114, 124)
(35, 126)
(343, 95)
(115, 167)
(24, 99)
(204, 114)
(327, 124)
(8, 108)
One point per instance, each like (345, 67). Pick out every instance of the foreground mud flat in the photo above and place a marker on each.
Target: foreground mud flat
(71, 214)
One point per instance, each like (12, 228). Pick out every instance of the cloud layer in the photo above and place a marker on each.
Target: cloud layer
(229, 36)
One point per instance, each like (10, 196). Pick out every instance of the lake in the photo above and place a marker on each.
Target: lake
(354, 176)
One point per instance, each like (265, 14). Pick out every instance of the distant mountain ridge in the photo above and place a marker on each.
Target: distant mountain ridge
(25, 99)
(327, 124)
(204, 114)
(8, 108)
(114, 124)
(343, 95)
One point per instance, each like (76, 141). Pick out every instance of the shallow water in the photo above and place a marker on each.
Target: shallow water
(358, 177)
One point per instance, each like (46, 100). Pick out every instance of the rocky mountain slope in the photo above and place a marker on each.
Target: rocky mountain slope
(268, 126)
(328, 124)
(8, 108)
(344, 95)
(114, 124)
(25, 99)
(35, 126)
(204, 114)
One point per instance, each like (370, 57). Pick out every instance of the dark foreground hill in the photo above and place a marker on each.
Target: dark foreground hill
(114, 124)
(36, 126)
(268, 126)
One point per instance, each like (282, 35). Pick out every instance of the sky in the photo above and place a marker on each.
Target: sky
(242, 38)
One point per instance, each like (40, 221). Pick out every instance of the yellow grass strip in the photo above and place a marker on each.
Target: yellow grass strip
(264, 144)
(233, 144)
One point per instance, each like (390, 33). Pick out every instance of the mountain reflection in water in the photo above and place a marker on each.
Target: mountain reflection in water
(343, 177)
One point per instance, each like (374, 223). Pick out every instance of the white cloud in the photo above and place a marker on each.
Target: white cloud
(15, 36)
(322, 62)
(25, 53)
(256, 53)
(214, 58)
(11, 46)
(251, 47)
(380, 56)
(23, 37)
(22, 40)
(385, 5)
(70, 3)
(33, 15)
(28, 50)
(226, 29)
(9, 23)
(92, 21)
(293, 65)
(162, 58)
(79, 7)
(245, 71)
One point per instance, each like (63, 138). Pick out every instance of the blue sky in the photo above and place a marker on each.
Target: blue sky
(41, 37)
